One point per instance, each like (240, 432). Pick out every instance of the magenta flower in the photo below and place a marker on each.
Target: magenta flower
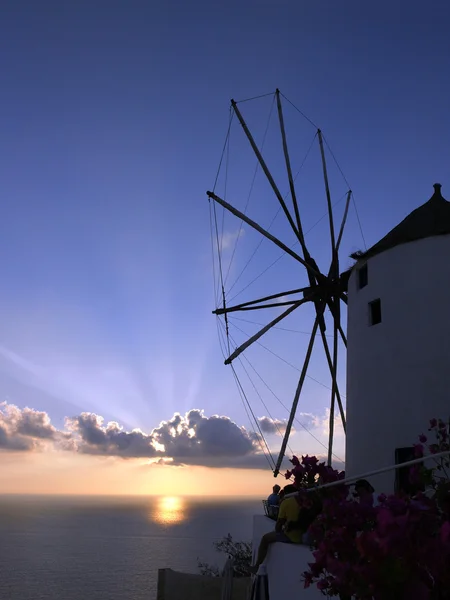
(309, 461)
(307, 579)
(399, 549)
(418, 450)
(322, 585)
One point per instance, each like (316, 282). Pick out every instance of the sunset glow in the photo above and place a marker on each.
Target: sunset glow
(169, 510)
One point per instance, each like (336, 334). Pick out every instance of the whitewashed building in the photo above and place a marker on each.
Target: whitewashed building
(398, 364)
(398, 356)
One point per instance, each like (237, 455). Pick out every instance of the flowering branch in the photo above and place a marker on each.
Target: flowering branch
(397, 549)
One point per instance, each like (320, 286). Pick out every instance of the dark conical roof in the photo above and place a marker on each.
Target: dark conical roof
(430, 219)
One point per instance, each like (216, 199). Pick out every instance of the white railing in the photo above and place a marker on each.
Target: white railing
(409, 463)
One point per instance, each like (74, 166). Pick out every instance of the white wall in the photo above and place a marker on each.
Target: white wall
(285, 564)
(398, 372)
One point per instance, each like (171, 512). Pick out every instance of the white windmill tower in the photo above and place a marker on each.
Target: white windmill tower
(398, 354)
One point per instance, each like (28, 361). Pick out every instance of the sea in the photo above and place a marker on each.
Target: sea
(110, 548)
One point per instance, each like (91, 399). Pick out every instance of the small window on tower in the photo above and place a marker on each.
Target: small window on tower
(375, 312)
(363, 278)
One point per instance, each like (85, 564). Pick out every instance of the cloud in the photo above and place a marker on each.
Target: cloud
(193, 439)
(196, 435)
(91, 436)
(189, 439)
(304, 420)
(269, 425)
(323, 423)
(228, 238)
(24, 430)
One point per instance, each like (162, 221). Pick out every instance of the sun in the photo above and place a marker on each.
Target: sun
(168, 510)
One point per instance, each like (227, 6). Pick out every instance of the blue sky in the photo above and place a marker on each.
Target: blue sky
(112, 123)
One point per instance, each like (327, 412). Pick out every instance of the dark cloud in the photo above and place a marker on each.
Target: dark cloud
(188, 437)
(90, 436)
(192, 439)
(195, 435)
(302, 421)
(269, 425)
(14, 443)
(23, 430)
(256, 460)
(35, 424)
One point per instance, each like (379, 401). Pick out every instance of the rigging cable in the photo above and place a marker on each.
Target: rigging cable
(219, 255)
(349, 187)
(278, 327)
(286, 408)
(282, 404)
(213, 255)
(284, 360)
(218, 321)
(268, 456)
(262, 401)
(227, 162)
(255, 98)
(299, 111)
(243, 396)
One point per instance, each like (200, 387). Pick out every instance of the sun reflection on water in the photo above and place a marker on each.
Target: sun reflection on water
(168, 510)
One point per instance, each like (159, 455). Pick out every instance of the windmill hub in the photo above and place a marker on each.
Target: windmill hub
(326, 291)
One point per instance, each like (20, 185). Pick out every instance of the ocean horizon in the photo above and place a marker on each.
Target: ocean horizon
(110, 547)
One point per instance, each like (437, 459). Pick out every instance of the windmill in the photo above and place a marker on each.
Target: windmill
(326, 290)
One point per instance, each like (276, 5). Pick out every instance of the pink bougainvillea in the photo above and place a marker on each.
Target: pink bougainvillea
(396, 549)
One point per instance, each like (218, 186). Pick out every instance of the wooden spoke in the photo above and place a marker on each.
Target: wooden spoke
(265, 233)
(327, 191)
(265, 169)
(225, 311)
(221, 311)
(289, 173)
(336, 316)
(264, 330)
(344, 219)
(296, 397)
(333, 392)
(343, 336)
(333, 376)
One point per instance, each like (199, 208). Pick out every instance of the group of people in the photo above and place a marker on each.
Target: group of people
(295, 515)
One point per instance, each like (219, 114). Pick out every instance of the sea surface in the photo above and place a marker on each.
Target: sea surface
(97, 548)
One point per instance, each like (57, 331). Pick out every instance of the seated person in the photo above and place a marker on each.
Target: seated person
(310, 504)
(273, 502)
(289, 489)
(289, 512)
(274, 498)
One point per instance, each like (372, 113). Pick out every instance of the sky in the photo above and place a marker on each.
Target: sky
(114, 116)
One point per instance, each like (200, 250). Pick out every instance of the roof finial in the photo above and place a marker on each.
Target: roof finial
(437, 189)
